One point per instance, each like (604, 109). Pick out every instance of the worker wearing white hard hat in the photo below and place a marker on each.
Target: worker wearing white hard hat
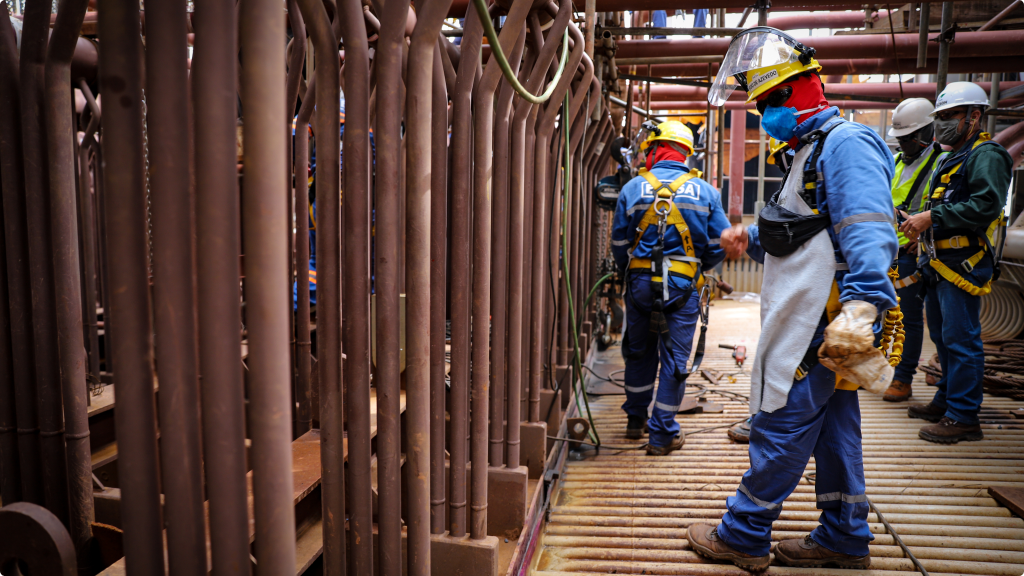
(919, 154)
(956, 231)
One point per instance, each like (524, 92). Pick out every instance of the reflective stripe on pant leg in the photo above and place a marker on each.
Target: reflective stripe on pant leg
(839, 483)
(781, 443)
(638, 377)
(681, 323)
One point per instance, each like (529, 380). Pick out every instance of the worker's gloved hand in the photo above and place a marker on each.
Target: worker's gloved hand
(848, 349)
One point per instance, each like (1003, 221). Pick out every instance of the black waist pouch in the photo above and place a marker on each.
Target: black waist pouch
(782, 231)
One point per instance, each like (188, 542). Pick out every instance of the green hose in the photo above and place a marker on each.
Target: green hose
(577, 378)
(506, 69)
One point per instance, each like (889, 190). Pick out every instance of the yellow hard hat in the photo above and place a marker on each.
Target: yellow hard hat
(759, 59)
(670, 131)
(775, 146)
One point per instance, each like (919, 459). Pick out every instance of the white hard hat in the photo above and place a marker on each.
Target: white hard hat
(961, 94)
(911, 115)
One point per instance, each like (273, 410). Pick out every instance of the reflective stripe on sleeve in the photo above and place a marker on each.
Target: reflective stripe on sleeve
(865, 217)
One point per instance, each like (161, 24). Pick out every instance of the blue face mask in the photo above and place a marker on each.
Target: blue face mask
(780, 121)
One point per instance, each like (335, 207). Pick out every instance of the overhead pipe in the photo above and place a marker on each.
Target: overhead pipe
(438, 293)
(60, 139)
(831, 20)
(458, 8)
(328, 290)
(697, 107)
(266, 291)
(218, 232)
(998, 17)
(862, 66)
(927, 90)
(483, 138)
(418, 201)
(388, 135)
(968, 45)
(356, 326)
(460, 291)
(47, 387)
(19, 440)
(131, 343)
(303, 344)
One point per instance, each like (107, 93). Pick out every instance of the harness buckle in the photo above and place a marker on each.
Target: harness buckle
(663, 212)
(954, 242)
(967, 266)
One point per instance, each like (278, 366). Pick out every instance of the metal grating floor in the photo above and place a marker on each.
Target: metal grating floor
(626, 513)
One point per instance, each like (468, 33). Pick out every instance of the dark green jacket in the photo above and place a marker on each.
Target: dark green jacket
(988, 172)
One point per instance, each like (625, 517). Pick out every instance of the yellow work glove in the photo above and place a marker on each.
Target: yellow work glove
(848, 349)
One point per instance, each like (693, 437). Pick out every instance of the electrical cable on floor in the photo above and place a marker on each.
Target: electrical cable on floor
(811, 477)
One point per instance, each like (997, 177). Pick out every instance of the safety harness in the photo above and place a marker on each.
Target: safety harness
(663, 212)
(969, 240)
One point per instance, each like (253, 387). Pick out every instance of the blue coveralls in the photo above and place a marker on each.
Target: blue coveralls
(818, 420)
(701, 207)
(973, 199)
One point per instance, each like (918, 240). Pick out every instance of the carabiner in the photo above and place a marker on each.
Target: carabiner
(704, 304)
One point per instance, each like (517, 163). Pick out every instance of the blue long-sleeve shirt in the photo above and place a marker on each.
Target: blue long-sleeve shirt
(698, 202)
(856, 170)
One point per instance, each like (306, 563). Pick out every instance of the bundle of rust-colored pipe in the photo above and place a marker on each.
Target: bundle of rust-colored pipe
(165, 245)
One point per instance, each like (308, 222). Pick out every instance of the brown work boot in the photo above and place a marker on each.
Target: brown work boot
(898, 392)
(740, 433)
(807, 553)
(949, 431)
(929, 412)
(676, 444)
(636, 427)
(704, 541)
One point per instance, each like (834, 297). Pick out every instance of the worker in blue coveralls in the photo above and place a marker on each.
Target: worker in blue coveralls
(826, 240)
(665, 234)
(956, 230)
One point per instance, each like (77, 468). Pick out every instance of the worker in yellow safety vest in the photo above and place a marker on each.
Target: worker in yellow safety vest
(918, 156)
(956, 232)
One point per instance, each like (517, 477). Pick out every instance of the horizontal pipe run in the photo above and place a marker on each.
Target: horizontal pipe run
(841, 66)
(661, 92)
(458, 8)
(968, 45)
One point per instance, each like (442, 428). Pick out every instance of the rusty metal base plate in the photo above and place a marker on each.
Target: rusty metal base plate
(533, 450)
(506, 501)
(463, 556)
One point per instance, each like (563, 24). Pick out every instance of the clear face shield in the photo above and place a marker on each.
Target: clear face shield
(755, 48)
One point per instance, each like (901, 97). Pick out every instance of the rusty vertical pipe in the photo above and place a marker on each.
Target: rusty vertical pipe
(328, 254)
(10, 481)
(20, 457)
(60, 140)
(418, 104)
(438, 261)
(304, 360)
(388, 69)
(542, 177)
(499, 260)
(483, 125)
(461, 150)
(520, 174)
(296, 267)
(173, 285)
(356, 328)
(87, 216)
(218, 233)
(737, 157)
(944, 45)
(40, 251)
(131, 342)
(265, 216)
